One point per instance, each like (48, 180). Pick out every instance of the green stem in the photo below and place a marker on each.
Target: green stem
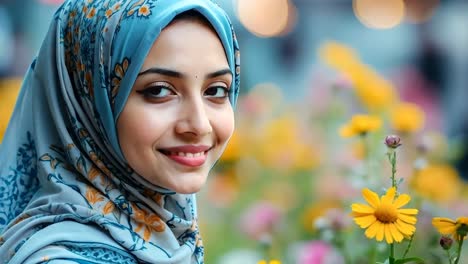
(392, 160)
(392, 254)
(367, 155)
(460, 243)
(408, 247)
(448, 256)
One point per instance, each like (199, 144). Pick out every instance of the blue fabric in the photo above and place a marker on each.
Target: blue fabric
(66, 193)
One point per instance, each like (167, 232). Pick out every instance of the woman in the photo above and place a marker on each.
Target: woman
(121, 116)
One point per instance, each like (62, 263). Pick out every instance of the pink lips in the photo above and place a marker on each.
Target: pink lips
(188, 155)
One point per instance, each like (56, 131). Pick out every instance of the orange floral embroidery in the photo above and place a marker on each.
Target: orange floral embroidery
(109, 12)
(93, 173)
(156, 197)
(89, 82)
(108, 208)
(93, 196)
(91, 13)
(70, 146)
(147, 222)
(144, 11)
(21, 218)
(119, 71)
(99, 163)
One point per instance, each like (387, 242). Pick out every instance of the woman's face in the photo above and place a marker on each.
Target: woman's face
(178, 118)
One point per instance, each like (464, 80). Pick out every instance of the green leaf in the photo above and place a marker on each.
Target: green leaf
(406, 260)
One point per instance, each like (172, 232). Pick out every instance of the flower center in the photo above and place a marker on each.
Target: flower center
(386, 213)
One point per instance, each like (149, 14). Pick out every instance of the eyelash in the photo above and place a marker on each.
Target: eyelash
(153, 92)
(225, 89)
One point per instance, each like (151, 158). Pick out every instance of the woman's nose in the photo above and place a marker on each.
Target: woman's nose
(194, 119)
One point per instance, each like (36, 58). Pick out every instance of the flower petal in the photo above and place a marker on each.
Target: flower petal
(365, 221)
(395, 233)
(444, 225)
(408, 211)
(380, 232)
(408, 219)
(371, 197)
(462, 220)
(362, 209)
(405, 228)
(372, 230)
(402, 200)
(389, 196)
(388, 234)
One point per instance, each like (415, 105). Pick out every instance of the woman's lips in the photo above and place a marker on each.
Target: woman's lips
(189, 155)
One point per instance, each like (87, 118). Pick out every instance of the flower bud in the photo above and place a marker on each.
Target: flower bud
(462, 230)
(446, 242)
(392, 141)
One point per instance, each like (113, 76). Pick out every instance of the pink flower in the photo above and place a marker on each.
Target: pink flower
(259, 220)
(319, 252)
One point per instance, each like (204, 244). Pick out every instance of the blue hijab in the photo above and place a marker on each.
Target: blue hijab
(67, 194)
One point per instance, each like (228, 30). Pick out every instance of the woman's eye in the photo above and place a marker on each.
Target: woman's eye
(217, 91)
(156, 92)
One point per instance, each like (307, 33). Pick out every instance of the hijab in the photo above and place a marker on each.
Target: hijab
(66, 191)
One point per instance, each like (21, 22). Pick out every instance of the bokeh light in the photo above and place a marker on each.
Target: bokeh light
(419, 11)
(266, 18)
(380, 14)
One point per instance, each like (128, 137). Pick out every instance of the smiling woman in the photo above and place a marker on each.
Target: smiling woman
(120, 118)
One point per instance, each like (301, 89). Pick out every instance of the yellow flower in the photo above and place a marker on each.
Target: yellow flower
(285, 133)
(274, 261)
(407, 117)
(375, 92)
(437, 182)
(9, 89)
(338, 56)
(458, 229)
(360, 124)
(384, 218)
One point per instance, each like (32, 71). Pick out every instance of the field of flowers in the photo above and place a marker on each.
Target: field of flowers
(353, 173)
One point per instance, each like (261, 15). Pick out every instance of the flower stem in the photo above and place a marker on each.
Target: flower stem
(460, 244)
(409, 245)
(392, 159)
(392, 254)
(448, 256)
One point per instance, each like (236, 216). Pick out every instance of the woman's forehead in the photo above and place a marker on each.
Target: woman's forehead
(205, 52)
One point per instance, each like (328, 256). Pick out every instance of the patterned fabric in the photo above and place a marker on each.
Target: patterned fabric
(66, 192)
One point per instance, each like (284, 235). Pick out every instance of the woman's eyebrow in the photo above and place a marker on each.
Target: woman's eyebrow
(218, 73)
(176, 74)
(162, 71)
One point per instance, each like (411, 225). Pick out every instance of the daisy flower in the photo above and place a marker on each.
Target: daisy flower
(384, 218)
(458, 229)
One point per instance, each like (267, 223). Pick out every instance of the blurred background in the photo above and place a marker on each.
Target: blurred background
(308, 67)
